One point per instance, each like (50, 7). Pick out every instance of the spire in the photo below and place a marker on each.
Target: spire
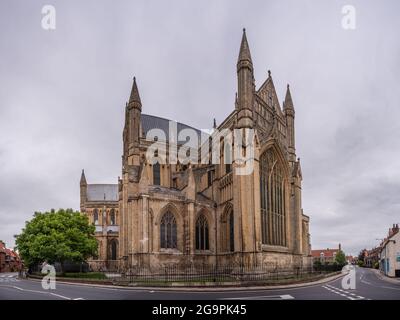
(246, 87)
(135, 98)
(244, 53)
(288, 104)
(83, 178)
(215, 124)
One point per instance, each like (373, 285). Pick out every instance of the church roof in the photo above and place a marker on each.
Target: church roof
(153, 122)
(102, 192)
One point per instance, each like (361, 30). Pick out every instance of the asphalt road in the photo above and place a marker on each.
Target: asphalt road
(369, 286)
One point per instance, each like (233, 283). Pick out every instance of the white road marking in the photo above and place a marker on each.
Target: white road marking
(41, 292)
(342, 292)
(60, 296)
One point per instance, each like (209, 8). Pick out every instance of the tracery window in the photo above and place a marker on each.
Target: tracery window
(273, 195)
(168, 232)
(202, 240)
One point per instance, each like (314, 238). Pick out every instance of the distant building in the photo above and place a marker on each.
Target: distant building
(350, 259)
(325, 256)
(9, 259)
(390, 253)
(371, 257)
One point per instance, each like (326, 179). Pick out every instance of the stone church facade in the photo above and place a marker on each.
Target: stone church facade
(161, 214)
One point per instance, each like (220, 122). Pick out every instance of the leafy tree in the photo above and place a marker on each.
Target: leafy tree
(340, 258)
(361, 257)
(59, 236)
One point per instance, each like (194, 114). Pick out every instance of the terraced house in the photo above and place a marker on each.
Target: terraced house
(194, 214)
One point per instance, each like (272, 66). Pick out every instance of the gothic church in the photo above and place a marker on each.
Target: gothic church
(162, 214)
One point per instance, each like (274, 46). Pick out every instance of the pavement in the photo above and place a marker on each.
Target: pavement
(369, 285)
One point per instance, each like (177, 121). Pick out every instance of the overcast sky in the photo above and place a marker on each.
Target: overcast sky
(63, 92)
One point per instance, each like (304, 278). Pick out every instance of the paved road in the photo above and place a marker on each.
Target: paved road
(369, 286)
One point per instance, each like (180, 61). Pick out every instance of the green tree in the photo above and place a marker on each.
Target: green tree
(340, 258)
(59, 236)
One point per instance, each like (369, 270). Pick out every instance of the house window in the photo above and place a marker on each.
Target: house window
(202, 241)
(168, 232)
(156, 174)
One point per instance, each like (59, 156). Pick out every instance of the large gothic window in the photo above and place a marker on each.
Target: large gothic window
(156, 174)
(168, 233)
(202, 242)
(273, 194)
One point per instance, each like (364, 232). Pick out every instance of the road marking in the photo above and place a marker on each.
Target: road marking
(343, 293)
(78, 299)
(274, 297)
(59, 295)
(41, 292)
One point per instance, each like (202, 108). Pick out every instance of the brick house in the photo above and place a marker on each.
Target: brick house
(9, 259)
(325, 256)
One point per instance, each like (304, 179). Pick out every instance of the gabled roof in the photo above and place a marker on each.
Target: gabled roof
(327, 253)
(269, 86)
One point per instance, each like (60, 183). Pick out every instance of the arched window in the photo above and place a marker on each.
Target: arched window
(95, 216)
(156, 174)
(227, 230)
(113, 250)
(202, 242)
(231, 233)
(228, 157)
(273, 195)
(112, 217)
(168, 237)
